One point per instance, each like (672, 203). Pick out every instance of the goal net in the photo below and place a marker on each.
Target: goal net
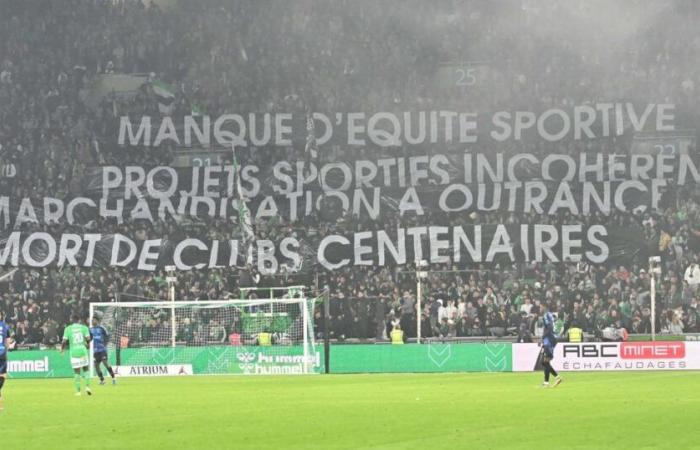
(245, 336)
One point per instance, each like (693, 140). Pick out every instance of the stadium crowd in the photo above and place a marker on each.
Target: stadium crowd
(228, 57)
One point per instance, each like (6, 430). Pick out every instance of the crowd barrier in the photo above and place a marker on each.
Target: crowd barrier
(372, 358)
(428, 357)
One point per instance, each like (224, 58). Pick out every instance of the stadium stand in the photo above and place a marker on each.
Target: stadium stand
(52, 131)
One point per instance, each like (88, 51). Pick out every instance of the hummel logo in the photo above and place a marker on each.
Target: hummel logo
(245, 357)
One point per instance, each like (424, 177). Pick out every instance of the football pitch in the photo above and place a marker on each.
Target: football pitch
(588, 410)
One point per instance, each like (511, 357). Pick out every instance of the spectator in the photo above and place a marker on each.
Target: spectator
(524, 335)
(692, 276)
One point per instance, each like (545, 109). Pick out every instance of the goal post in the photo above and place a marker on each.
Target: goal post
(238, 336)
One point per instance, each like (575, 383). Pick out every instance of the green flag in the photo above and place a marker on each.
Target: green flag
(165, 94)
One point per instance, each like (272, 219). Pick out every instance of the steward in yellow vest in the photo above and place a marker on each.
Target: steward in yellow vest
(396, 335)
(265, 339)
(575, 334)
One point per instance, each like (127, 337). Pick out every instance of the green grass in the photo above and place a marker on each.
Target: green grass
(589, 410)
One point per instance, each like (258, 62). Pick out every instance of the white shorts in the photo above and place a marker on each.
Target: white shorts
(79, 363)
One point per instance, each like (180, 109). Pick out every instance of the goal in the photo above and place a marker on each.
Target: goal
(264, 336)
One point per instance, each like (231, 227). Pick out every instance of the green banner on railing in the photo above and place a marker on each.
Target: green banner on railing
(252, 360)
(257, 360)
(428, 357)
(38, 364)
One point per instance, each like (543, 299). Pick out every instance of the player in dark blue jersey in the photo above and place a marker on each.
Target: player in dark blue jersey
(6, 342)
(100, 339)
(549, 341)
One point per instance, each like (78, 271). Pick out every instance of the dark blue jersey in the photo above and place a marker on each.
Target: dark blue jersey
(549, 340)
(4, 334)
(100, 338)
(548, 320)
